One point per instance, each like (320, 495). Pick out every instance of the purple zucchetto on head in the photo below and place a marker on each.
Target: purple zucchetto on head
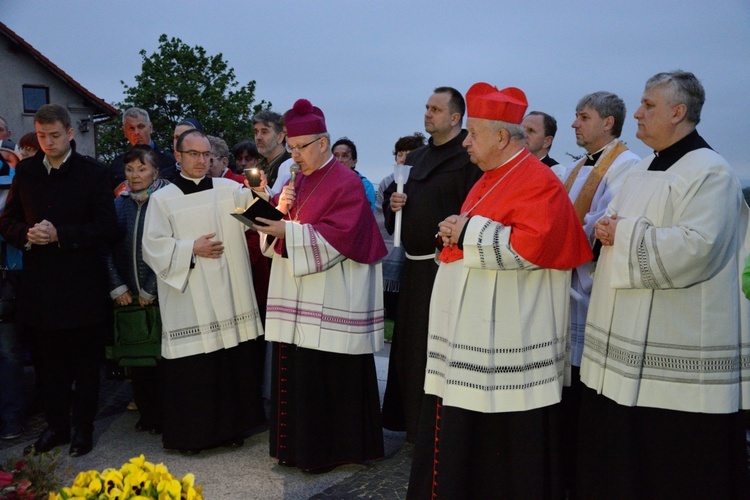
(304, 119)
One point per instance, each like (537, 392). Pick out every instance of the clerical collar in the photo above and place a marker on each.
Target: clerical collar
(592, 158)
(671, 154)
(196, 181)
(189, 186)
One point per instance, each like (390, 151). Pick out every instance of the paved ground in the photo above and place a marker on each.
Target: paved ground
(244, 473)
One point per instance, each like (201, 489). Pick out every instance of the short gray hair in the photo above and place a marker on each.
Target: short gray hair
(218, 146)
(684, 88)
(136, 113)
(606, 104)
(270, 119)
(513, 129)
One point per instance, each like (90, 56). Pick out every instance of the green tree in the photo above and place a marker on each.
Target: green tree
(178, 81)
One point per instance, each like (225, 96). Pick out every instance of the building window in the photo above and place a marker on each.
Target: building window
(34, 97)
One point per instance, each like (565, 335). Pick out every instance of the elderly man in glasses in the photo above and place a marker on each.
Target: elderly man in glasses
(210, 316)
(325, 307)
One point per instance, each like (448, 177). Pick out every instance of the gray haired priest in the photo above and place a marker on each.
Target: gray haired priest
(667, 349)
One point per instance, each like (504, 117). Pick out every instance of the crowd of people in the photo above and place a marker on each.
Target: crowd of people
(560, 331)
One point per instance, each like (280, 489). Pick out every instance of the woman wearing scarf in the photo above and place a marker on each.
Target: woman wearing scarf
(131, 280)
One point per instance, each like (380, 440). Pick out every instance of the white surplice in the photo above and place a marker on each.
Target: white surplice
(319, 299)
(212, 305)
(497, 334)
(667, 326)
(582, 279)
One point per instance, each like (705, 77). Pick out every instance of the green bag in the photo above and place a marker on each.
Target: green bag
(137, 335)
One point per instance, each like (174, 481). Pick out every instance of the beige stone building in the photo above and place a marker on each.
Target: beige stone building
(29, 80)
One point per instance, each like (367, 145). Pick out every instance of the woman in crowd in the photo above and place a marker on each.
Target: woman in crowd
(131, 280)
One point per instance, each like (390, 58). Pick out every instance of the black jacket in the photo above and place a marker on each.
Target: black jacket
(64, 283)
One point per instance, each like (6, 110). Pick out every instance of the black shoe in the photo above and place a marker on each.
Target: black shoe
(288, 463)
(48, 440)
(189, 453)
(154, 430)
(83, 442)
(140, 426)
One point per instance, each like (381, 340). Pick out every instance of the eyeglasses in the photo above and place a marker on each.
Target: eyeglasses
(298, 149)
(206, 155)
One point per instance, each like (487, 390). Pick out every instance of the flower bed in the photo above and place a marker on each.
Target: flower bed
(135, 479)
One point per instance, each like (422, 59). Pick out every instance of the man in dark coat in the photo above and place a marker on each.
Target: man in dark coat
(439, 180)
(60, 211)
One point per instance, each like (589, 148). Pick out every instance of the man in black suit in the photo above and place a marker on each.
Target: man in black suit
(60, 210)
(540, 132)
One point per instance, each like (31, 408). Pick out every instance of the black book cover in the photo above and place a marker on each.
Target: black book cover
(258, 208)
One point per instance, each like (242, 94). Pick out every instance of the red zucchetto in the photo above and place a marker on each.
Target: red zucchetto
(487, 102)
(304, 119)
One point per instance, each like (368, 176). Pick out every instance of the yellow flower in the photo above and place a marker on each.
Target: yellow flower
(191, 493)
(136, 479)
(115, 494)
(95, 486)
(139, 461)
(189, 480)
(112, 480)
(169, 486)
(78, 492)
(84, 478)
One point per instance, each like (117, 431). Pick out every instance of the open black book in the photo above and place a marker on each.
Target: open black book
(258, 208)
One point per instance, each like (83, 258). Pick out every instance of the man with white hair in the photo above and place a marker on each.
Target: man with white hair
(498, 320)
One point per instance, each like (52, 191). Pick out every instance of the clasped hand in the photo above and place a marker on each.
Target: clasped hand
(42, 233)
(605, 228)
(451, 228)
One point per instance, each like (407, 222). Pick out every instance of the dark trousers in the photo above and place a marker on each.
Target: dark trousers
(147, 393)
(11, 377)
(67, 374)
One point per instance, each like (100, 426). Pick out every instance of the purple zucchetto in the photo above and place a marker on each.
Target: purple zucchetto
(304, 119)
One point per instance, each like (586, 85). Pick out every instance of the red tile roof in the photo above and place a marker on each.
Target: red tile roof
(22, 44)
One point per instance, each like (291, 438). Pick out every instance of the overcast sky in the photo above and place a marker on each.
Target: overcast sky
(370, 66)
